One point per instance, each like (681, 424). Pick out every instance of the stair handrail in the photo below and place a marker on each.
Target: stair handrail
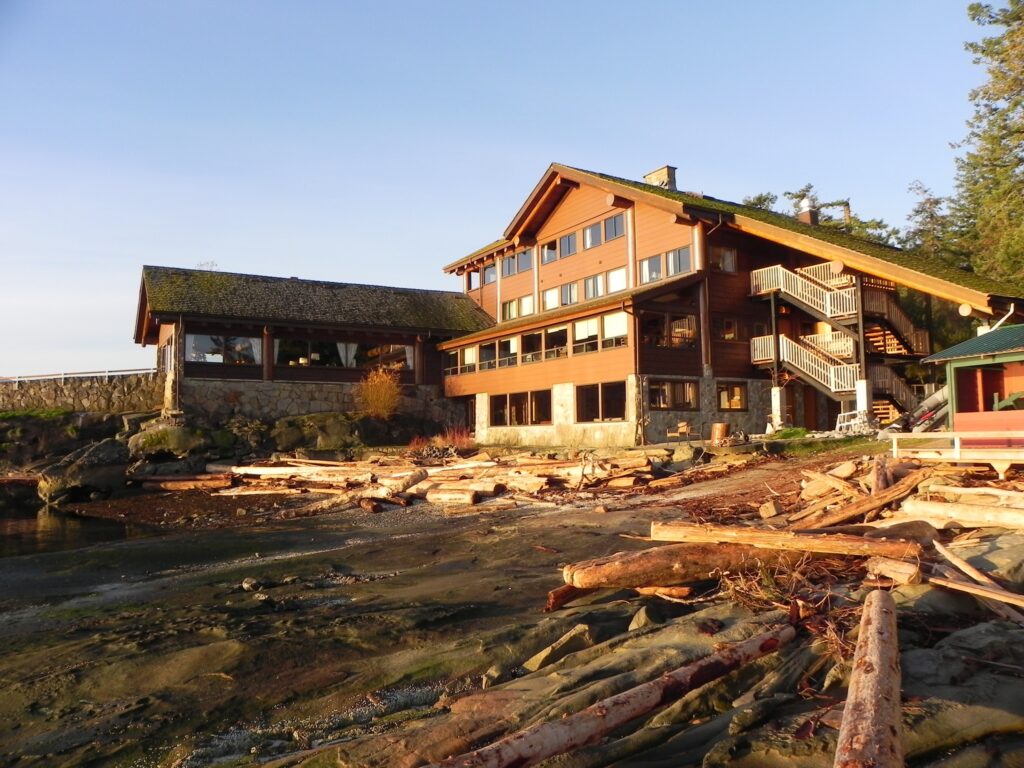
(837, 346)
(889, 382)
(823, 275)
(830, 302)
(836, 378)
(884, 303)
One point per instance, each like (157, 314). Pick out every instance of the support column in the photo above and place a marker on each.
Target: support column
(417, 361)
(631, 247)
(268, 354)
(777, 408)
(701, 265)
(862, 391)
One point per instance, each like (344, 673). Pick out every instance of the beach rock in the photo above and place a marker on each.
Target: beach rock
(161, 440)
(98, 468)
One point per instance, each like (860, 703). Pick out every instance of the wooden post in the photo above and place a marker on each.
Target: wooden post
(268, 354)
(870, 732)
(419, 361)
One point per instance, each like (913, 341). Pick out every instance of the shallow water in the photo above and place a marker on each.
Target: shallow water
(27, 529)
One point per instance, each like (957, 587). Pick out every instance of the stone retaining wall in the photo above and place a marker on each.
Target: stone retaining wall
(218, 399)
(96, 394)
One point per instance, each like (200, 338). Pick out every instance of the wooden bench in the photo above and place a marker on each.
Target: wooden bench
(683, 430)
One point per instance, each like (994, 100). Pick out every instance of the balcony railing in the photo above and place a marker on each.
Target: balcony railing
(829, 302)
(836, 378)
(838, 346)
(823, 274)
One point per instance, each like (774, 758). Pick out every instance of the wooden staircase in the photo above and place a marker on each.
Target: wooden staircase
(826, 372)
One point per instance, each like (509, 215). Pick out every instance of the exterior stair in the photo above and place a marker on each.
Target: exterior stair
(908, 339)
(825, 371)
(807, 291)
(885, 381)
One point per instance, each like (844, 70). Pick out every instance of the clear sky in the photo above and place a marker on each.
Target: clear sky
(377, 141)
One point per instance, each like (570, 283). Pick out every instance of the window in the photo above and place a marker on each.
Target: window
(568, 294)
(614, 227)
(549, 299)
(584, 336)
(650, 269)
(472, 280)
(567, 245)
(229, 350)
(601, 402)
(615, 280)
(508, 352)
(731, 396)
(467, 360)
(679, 261)
(521, 409)
(533, 346)
(614, 330)
(592, 236)
(488, 356)
(593, 287)
(725, 329)
(524, 261)
(490, 274)
(759, 328)
(556, 342)
(674, 395)
(508, 266)
(451, 362)
(682, 330)
(510, 310)
(526, 305)
(548, 252)
(723, 259)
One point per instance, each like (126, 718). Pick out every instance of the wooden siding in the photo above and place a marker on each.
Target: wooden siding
(657, 232)
(660, 361)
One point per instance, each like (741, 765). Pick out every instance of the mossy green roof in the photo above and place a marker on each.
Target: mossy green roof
(499, 243)
(259, 298)
(907, 259)
(1001, 341)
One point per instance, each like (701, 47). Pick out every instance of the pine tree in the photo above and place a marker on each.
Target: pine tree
(989, 202)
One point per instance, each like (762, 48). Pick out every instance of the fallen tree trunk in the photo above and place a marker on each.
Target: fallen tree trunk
(452, 496)
(671, 565)
(870, 732)
(829, 543)
(867, 504)
(209, 483)
(403, 482)
(837, 483)
(970, 515)
(979, 490)
(556, 737)
(566, 593)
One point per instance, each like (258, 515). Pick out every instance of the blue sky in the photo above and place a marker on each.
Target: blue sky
(376, 142)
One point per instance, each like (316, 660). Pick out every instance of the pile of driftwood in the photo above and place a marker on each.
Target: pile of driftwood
(859, 529)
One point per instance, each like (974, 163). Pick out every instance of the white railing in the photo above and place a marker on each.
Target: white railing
(839, 302)
(838, 346)
(836, 378)
(881, 302)
(823, 274)
(887, 382)
(77, 375)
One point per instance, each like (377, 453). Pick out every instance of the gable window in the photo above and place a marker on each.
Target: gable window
(567, 245)
(679, 261)
(725, 329)
(556, 342)
(510, 310)
(548, 252)
(614, 330)
(508, 266)
(674, 395)
(593, 287)
(601, 402)
(584, 336)
(549, 299)
(568, 294)
(526, 305)
(490, 274)
(592, 236)
(508, 352)
(650, 269)
(533, 347)
(731, 396)
(615, 280)
(614, 227)
(723, 259)
(524, 261)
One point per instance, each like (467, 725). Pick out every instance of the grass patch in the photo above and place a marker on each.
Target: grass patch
(48, 414)
(789, 433)
(811, 447)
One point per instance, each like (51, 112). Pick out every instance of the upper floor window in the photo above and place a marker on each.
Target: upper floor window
(569, 294)
(524, 261)
(616, 280)
(723, 258)
(584, 336)
(533, 347)
(488, 356)
(682, 330)
(556, 342)
(567, 245)
(472, 280)
(671, 331)
(614, 226)
(508, 352)
(526, 305)
(679, 262)
(548, 252)
(650, 269)
(490, 274)
(614, 330)
(593, 287)
(726, 329)
(510, 309)
(508, 266)
(592, 236)
(549, 299)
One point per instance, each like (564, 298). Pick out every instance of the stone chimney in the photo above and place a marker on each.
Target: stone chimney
(807, 213)
(664, 177)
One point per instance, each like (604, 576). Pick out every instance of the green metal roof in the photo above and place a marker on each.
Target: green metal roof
(1001, 341)
(197, 292)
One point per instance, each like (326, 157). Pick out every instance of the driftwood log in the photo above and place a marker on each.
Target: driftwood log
(967, 515)
(866, 504)
(556, 737)
(870, 734)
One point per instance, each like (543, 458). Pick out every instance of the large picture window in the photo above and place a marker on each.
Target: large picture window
(342, 354)
(614, 330)
(601, 402)
(521, 409)
(228, 350)
(673, 395)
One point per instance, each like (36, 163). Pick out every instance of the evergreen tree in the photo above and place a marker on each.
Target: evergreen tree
(763, 200)
(989, 202)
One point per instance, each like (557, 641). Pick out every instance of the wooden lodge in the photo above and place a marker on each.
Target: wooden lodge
(624, 308)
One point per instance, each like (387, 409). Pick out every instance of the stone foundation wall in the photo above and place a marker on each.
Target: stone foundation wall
(218, 399)
(752, 421)
(96, 394)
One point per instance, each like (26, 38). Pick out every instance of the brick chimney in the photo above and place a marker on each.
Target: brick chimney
(807, 213)
(664, 177)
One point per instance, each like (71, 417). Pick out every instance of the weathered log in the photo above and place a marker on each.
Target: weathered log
(830, 543)
(209, 483)
(969, 515)
(370, 505)
(879, 475)
(817, 506)
(452, 496)
(978, 490)
(667, 593)
(992, 593)
(1002, 610)
(556, 737)
(867, 504)
(562, 595)
(836, 483)
(402, 482)
(672, 564)
(899, 571)
(668, 482)
(161, 478)
(870, 733)
(269, 490)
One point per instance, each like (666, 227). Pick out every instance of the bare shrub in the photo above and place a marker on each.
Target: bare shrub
(379, 392)
(458, 438)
